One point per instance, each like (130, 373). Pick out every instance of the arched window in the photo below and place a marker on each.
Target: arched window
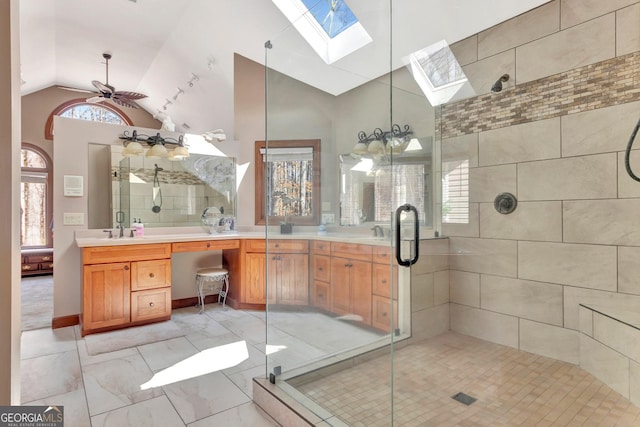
(36, 201)
(81, 109)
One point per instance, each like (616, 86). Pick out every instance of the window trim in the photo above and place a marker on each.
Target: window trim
(48, 127)
(49, 197)
(260, 190)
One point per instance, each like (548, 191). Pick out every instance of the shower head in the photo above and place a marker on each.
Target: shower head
(497, 86)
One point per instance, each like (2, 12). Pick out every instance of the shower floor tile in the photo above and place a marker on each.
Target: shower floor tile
(512, 387)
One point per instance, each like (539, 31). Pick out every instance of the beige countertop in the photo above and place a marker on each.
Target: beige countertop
(93, 238)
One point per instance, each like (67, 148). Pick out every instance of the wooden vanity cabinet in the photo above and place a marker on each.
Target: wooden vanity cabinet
(351, 285)
(125, 285)
(287, 263)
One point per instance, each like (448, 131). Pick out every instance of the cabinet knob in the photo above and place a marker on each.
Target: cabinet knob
(277, 245)
(152, 275)
(320, 269)
(126, 267)
(208, 245)
(384, 280)
(320, 295)
(151, 304)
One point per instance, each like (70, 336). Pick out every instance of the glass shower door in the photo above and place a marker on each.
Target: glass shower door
(337, 294)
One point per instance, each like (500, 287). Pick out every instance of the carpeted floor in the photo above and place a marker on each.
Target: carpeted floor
(37, 302)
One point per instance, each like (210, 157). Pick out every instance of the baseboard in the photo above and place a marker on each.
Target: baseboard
(64, 321)
(192, 301)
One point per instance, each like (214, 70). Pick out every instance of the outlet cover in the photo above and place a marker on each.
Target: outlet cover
(328, 218)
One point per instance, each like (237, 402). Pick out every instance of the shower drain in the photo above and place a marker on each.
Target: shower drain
(464, 398)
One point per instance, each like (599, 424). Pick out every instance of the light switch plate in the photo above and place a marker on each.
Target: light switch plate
(73, 218)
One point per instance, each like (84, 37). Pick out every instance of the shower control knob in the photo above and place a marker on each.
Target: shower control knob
(505, 203)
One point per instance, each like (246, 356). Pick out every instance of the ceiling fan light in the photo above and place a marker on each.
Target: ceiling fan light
(158, 150)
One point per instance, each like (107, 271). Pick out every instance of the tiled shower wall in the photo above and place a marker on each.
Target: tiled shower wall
(554, 137)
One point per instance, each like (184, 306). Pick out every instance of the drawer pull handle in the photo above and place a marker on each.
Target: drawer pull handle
(208, 245)
(46, 258)
(151, 304)
(152, 275)
(320, 269)
(126, 267)
(384, 281)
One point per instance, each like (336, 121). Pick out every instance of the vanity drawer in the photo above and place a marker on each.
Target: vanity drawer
(321, 295)
(321, 247)
(125, 253)
(321, 268)
(277, 246)
(150, 274)
(151, 304)
(351, 251)
(382, 254)
(381, 313)
(206, 245)
(381, 278)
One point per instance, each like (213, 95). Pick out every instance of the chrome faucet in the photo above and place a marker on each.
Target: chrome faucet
(121, 228)
(378, 231)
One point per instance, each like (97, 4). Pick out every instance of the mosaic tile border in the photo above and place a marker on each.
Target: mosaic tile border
(607, 83)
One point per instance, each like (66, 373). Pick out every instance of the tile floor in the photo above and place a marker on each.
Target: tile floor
(106, 388)
(512, 388)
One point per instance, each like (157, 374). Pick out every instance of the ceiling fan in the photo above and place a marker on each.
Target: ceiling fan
(106, 91)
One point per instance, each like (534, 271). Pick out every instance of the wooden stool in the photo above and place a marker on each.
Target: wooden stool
(216, 280)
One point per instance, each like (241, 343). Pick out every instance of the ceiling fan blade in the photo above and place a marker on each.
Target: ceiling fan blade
(102, 87)
(75, 89)
(124, 102)
(95, 99)
(129, 95)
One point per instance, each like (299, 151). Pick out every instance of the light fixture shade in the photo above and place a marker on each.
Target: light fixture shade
(134, 148)
(376, 146)
(359, 148)
(158, 150)
(179, 153)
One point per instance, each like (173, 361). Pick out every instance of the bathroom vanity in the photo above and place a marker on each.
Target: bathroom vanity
(127, 282)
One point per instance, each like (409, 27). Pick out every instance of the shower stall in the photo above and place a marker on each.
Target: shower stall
(519, 164)
(350, 159)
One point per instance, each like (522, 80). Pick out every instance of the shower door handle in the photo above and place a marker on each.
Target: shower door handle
(416, 235)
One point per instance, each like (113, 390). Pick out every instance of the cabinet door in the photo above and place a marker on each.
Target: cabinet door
(255, 268)
(106, 295)
(293, 279)
(340, 286)
(360, 276)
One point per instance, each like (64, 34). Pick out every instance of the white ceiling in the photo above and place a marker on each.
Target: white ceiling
(158, 45)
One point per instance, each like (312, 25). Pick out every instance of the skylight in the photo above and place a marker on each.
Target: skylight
(437, 72)
(329, 26)
(334, 16)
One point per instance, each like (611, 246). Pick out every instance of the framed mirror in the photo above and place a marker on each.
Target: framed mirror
(370, 184)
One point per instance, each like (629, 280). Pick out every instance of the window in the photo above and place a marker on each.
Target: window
(455, 192)
(35, 198)
(80, 109)
(288, 175)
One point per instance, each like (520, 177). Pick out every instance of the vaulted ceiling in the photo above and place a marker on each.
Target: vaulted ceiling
(160, 46)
